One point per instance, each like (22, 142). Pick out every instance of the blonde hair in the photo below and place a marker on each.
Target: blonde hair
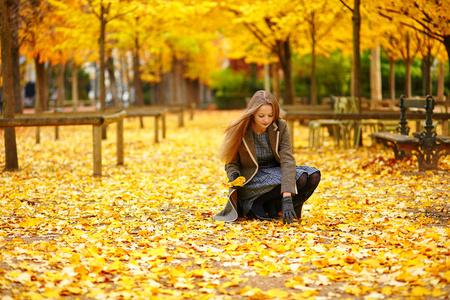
(235, 131)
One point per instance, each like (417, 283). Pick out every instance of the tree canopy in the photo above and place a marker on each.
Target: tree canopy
(202, 33)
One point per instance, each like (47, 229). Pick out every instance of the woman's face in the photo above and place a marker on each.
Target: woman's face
(263, 117)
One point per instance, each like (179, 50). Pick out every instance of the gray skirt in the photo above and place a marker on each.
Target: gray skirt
(265, 180)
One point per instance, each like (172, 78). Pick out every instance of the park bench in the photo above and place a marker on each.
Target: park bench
(96, 120)
(426, 145)
(144, 111)
(159, 113)
(179, 109)
(317, 126)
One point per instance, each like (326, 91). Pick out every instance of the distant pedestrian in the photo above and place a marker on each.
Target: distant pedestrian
(257, 147)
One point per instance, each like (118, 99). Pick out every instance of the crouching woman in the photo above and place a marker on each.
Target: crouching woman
(257, 147)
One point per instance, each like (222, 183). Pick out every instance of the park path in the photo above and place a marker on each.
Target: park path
(375, 229)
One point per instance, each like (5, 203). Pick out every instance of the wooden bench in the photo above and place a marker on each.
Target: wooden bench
(144, 111)
(317, 126)
(179, 109)
(426, 145)
(97, 121)
(149, 111)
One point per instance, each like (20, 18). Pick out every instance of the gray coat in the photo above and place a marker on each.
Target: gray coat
(246, 164)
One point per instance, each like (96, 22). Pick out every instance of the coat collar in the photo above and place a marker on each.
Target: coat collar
(273, 133)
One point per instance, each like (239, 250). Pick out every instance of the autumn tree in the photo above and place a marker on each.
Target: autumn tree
(356, 65)
(34, 31)
(141, 32)
(408, 48)
(79, 42)
(427, 52)
(162, 38)
(272, 24)
(15, 56)
(194, 48)
(11, 162)
(432, 18)
(389, 38)
(105, 12)
(40, 40)
(323, 20)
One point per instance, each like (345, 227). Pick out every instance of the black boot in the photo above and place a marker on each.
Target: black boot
(298, 210)
(271, 210)
(258, 211)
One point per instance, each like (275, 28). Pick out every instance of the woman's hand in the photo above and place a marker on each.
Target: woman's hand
(233, 177)
(287, 210)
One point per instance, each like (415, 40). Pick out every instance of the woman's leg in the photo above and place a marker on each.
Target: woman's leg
(267, 204)
(305, 187)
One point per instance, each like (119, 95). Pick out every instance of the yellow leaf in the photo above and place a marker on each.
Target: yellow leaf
(276, 293)
(51, 293)
(350, 259)
(29, 222)
(438, 293)
(446, 276)
(419, 291)
(71, 290)
(237, 182)
(405, 277)
(81, 270)
(387, 290)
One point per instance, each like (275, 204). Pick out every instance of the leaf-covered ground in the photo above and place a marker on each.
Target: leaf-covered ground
(375, 229)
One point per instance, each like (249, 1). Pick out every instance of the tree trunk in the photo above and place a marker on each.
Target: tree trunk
(447, 47)
(175, 86)
(313, 75)
(139, 97)
(112, 78)
(356, 51)
(102, 66)
(182, 82)
(161, 79)
(266, 77)
(375, 77)
(440, 89)
(41, 86)
(61, 87)
(392, 79)
(426, 75)
(74, 86)
(126, 80)
(275, 80)
(102, 59)
(408, 63)
(11, 160)
(15, 55)
(285, 57)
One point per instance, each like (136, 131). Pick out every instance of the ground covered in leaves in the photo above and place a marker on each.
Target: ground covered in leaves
(375, 229)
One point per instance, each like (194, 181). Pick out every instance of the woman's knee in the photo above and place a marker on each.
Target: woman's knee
(301, 181)
(314, 178)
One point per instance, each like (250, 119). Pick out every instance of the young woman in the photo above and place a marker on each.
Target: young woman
(257, 146)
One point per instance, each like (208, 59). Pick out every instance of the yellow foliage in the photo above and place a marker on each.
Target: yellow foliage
(145, 229)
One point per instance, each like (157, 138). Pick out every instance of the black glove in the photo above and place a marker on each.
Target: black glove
(287, 210)
(233, 177)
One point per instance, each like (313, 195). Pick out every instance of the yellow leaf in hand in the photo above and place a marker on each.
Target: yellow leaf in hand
(237, 182)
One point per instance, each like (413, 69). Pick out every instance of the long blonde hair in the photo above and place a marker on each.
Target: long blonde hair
(235, 131)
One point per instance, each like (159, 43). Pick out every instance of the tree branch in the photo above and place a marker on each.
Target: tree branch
(91, 8)
(255, 31)
(427, 32)
(346, 5)
(121, 15)
(259, 35)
